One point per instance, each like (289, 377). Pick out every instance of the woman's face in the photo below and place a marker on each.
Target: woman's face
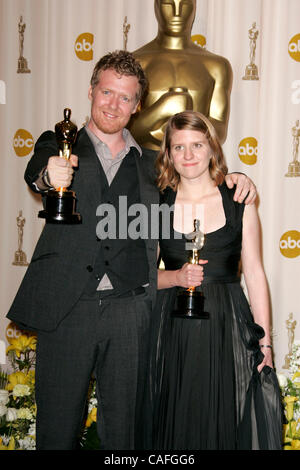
(190, 153)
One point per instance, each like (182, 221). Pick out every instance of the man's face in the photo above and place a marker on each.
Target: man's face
(113, 101)
(175, 16)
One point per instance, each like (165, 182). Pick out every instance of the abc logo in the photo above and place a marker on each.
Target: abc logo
(289, 244)
(23, 142)
(248, 150)
(83, 46)
(294, 47)
(12, 332)
(199, 40)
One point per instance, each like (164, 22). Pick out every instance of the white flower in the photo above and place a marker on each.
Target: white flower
(93, 403)
(282, 380)
(31, 430)
(12, 414)
(24, 413)
(5, 439)
(27, 443)
(21, 390)
(3, 410)
(4, 397)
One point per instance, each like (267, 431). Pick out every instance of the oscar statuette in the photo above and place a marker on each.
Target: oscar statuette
(294, 166)
(190, 302)
(60, 202)
(22, 62)
(20, 256)
(251, 71)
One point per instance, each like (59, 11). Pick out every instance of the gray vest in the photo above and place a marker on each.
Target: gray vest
(123, 259)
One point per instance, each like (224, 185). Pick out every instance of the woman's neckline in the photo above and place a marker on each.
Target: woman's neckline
(206, 233)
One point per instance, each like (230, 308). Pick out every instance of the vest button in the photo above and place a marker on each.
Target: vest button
(106, 263)
(89, 268)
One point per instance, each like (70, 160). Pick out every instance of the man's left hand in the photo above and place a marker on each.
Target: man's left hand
(244, 185)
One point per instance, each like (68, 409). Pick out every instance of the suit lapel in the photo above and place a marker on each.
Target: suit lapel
(148, 190)
(89, 176)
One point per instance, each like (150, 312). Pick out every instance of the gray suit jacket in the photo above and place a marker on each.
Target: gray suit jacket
(58, 273)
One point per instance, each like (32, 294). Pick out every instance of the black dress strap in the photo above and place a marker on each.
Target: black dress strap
(234, 210)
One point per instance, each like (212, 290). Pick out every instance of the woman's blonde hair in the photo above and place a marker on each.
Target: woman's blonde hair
(194, 121)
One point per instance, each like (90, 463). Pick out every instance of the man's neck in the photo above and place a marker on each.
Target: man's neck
(115, 142)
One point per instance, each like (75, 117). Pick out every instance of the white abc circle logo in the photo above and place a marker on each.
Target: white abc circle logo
(248, 150)
(84, 46)
(289, 244)
(23, 142)
(12, 332)
(294, 47)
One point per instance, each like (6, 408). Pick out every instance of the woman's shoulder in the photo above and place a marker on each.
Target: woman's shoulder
(234, 209)
(229, 193)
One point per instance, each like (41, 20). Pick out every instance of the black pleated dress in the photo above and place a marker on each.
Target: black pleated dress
(206, 390)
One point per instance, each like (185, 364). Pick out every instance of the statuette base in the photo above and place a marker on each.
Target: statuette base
(60, 208)
(190, 304)
(22, 66)
(20, 259)
(251, 72)
(293, 169)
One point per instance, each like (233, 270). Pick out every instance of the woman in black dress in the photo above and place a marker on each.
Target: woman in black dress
(214, 386)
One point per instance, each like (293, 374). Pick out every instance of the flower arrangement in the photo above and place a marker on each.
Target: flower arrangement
(17, 397)
(290, 387)
(18, 408)
(89, 439)
(17, 400)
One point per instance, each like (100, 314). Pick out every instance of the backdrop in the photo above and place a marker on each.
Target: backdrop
(48, 50)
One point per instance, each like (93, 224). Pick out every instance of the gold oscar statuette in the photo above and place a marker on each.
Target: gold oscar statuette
(182, 76)
(126, 28)
(190, 302)
(177, 98)
(20, 257)
(22, 62)
(251, 72)
(291, 325)
(60, 202)
(294, 166)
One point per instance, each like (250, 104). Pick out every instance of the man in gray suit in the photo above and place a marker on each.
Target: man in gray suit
(90, 298)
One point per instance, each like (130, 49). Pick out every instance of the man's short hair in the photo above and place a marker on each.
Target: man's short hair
(123, 63)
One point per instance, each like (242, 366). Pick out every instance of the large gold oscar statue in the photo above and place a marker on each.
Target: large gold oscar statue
(181, 76)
